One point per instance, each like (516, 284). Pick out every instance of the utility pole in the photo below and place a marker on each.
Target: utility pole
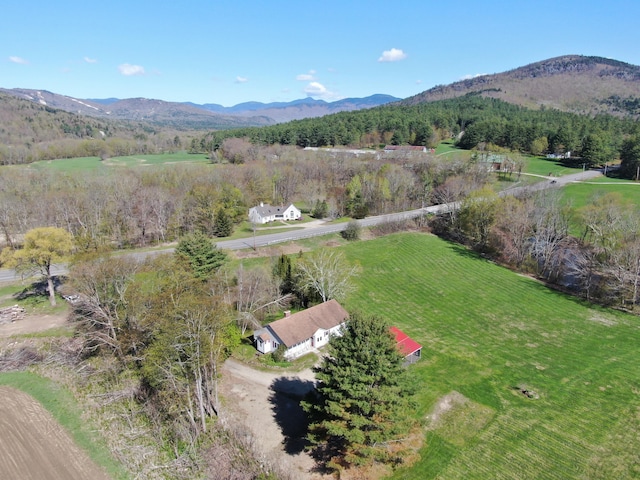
(253, 225)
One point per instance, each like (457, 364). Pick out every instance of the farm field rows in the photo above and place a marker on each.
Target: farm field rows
(44, 436)
(547, 386)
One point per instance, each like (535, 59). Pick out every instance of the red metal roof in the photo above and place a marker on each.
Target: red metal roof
(405, 344)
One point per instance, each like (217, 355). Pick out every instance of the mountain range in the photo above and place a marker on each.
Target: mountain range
(574, 83)
(192, 115)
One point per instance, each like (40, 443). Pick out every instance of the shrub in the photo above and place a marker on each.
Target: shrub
(352, 232)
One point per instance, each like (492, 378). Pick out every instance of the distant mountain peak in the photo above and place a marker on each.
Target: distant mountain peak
(192, 115)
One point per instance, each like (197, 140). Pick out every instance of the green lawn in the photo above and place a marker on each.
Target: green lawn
(488, 333)
(580, 194)
(546, 166)
(95, 164)
(81, 164)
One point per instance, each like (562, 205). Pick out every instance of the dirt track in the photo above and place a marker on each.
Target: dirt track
(34, 446)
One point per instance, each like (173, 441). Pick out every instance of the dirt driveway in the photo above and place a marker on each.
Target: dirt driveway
(269, 404)
(33, 324)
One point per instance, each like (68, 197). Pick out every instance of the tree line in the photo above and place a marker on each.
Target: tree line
(592, 252)
(145, 206)
(471, 119)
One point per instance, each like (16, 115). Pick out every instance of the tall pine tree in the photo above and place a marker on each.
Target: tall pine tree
(222, 224)
(202, 255)
(363, 396)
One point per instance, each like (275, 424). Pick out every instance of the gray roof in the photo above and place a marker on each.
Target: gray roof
(267, 210)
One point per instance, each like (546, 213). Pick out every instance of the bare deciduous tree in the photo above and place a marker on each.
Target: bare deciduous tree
(99, 287)
(257, 292)
(326, 273)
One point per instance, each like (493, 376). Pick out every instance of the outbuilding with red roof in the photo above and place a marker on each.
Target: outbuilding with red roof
(408, 347)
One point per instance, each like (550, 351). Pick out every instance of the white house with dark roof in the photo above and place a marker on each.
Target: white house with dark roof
(302, 331)
(265, 213)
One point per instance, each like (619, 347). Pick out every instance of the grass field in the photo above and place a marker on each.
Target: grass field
(95, 164)
(489, 334)
(545, 166)
(581, 194)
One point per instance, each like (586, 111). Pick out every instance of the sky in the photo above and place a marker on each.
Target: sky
(228, 52)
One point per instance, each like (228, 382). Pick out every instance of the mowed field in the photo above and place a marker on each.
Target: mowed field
(94, 164)
(517, 381)
(33, 445)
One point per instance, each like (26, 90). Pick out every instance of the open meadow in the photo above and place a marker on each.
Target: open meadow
(517, 381)
(93, 164)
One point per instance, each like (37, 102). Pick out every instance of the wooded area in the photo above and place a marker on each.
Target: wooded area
(473, 120)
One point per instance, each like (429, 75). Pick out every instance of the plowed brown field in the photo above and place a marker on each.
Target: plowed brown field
(34, 446)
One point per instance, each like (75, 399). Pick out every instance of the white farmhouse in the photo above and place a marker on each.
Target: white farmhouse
(265, 213)
(302, 331)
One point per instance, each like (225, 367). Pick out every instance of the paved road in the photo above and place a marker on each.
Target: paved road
(7, 275)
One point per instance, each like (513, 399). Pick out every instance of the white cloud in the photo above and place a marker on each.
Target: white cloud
(240, 79)
(393, 55)
(316, 89)
(90, 60)
(469, 77)
(128, 70)
(19, 60)
(306, 77)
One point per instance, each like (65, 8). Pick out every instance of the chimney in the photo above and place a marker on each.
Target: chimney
(287, 313)
(261, 204)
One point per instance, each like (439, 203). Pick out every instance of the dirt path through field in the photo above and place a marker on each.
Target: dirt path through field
(268, 405)
(33, 445)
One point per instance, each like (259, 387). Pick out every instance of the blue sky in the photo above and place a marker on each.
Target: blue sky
(228, 52)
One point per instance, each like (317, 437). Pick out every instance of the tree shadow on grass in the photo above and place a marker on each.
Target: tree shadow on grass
(39, 288)
(286, 394)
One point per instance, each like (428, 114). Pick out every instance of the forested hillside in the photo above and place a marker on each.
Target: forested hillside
(573, 83)
(30, 131)
(475, 122)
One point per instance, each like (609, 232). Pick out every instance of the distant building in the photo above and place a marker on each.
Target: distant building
(405, 148)
(265, 213)
(559, 155)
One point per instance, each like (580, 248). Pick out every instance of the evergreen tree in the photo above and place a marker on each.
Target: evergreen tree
(201, 254)
(283, 269)
(630, 157)
(363, 396)
(320, 209)
(222, 224)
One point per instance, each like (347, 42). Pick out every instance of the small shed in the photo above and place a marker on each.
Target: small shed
(408, 347)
